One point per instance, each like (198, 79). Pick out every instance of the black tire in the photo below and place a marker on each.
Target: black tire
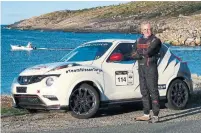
(178, 95)
(84, 102)
(32, 111)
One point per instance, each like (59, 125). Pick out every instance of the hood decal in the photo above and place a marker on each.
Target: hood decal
(38, 67)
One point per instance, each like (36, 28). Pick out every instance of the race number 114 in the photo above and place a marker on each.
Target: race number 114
(121, 79)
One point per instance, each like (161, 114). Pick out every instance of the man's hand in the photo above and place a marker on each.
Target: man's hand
(133, 54)
(137, 56)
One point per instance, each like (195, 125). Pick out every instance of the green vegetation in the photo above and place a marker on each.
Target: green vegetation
(7, 109)
(153, 9)
(150, 9)
(12, 111)
(57, 14)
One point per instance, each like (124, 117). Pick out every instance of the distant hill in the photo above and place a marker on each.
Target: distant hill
(175, 22)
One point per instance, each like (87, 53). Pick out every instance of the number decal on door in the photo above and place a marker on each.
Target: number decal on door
(123, 78)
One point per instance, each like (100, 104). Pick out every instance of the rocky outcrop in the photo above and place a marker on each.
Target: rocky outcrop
(181, 30)
(178, 23)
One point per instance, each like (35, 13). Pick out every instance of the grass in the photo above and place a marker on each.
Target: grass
(150, 9)
(7, 109)
(12, 111)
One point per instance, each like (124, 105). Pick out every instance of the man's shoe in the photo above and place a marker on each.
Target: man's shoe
(154, 119)
(143, 118)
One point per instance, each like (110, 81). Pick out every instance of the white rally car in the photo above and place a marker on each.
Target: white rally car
(94, 74)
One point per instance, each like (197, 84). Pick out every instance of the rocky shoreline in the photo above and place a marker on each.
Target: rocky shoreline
(178, 23)
(182, 30)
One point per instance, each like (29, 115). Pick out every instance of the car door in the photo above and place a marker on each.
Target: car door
(121, 77)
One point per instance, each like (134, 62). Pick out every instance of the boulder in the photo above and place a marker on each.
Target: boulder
(175, 43)
(198, 41)
(181, 40)
(189, 42)
(194, 75)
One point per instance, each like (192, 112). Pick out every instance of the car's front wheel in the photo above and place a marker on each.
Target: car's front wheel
(84, 101)
(178, 95)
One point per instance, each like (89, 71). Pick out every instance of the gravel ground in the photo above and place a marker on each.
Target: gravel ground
(170, 127)
(114, 116)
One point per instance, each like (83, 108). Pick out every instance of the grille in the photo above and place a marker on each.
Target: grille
(21, 89)
(25, 80)
(27, 100)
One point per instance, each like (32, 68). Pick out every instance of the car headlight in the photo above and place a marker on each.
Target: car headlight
(49, 81)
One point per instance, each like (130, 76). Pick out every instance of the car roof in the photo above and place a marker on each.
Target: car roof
(166, 45)
(113, 40)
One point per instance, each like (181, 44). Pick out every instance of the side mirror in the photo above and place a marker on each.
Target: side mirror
(116, 57)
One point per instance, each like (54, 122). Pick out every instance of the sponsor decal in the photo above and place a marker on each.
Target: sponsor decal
(94, 44)
(130, 78)
(35, 68)
(161, 86)
(84, 70)
(142, 48)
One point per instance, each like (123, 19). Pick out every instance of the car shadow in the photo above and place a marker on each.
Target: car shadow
(112, 110)
(185, 113)
(193, 107)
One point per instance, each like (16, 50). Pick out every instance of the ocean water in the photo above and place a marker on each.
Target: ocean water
(13, 62)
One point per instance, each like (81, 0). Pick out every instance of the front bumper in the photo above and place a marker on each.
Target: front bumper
(35, 96)
(34, 102)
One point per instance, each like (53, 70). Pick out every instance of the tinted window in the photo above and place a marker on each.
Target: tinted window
(125, 49)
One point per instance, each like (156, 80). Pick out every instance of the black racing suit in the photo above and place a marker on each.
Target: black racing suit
(146, 52)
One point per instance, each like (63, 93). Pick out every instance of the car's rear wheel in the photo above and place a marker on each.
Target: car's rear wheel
(84, 101)
(178, 95)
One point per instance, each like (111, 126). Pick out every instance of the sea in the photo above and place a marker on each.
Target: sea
(53, 45)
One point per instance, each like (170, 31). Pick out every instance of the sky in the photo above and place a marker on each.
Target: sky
(13, 11)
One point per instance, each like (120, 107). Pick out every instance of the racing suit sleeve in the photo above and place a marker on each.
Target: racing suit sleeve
(154, 47)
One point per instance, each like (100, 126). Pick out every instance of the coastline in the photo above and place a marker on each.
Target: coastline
(190, 42)
(177, 23)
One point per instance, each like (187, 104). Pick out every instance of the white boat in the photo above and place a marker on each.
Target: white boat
(19, 47)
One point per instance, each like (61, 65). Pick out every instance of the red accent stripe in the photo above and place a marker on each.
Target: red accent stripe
(26, 96)
(142, 46)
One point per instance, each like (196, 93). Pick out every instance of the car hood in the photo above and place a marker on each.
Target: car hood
(44, 68)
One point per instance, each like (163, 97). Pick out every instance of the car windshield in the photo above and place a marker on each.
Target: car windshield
(87, 52)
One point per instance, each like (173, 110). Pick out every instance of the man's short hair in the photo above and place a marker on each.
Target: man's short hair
(144, 23)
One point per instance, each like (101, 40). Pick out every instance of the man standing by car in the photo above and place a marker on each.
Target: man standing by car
(146, 52)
